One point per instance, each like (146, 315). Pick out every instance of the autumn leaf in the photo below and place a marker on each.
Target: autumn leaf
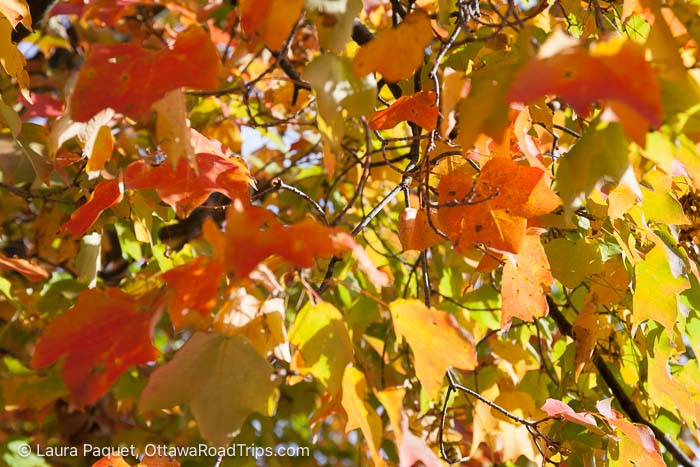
(435, 338)
(300, 244)
(183, 188)
(611, 70)
(396, 53)
(192, 289)
(11, 59)
(16, 11)
(637, 445)
(323, 345)
(31, 271)
(112, 460)
(415, 231)
(102, 335)
(105, 195)
(656, 291)
(137, 77)
(420, 108)
(557, 408)
(526, 281)
(207, 371)
(271, 20)
(360, 414)
(494, 210)
(99, 150)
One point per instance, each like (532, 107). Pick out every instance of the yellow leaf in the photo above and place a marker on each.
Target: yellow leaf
(323, 344)
(656, 291)
(99, 150)
(360, 414)
(12, 59)
(396, 53)
(436, 339)
(173, 132)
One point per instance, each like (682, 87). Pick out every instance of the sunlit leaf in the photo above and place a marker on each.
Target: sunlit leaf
(493, 211)
(323, 345)
(435, 338)
(103, 334)
(360, 414)
(420, 109)
(525, 283)
(222, 379)
(105, 195)
(129, 78)
(396, 53)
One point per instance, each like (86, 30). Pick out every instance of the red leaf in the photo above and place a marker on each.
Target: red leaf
(129, 78)
(183, 188)
(193, 289)
(420, 108)
(106, 195)
(615, 70)
(103, 334)
(253, 233)
(556, 408)
(31, 271)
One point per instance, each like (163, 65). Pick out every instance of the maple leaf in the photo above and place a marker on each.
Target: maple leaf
(271, 20)
(16, 12)
(183, 188)
(208, 370)
(31, 271)
(637, 445)
(103, 334)
(435, 338)
(300, 244)
(192, 290)
(137, 77)
(557, 408)
(323, 345)
(415, 231)
(611, 70)
(525, 283)
(493, 210)
(656, 291)
(396, 53)
(105, 195)
(360, 414)
(420, 108)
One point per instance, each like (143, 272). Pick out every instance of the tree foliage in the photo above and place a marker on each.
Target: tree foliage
(389, 231)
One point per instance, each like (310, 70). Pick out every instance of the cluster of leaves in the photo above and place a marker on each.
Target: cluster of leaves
(463, 230)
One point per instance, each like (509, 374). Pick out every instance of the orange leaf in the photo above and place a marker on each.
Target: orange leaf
(111, 461)
(525, 283)
(193, 288)
(129, 78)
(33, 272)
(494, 210)
(419, 108)
(183, 188)
(614, 70)
(415, 232)
(253, 234)
(106, 195)
(103, 334)
(436, 339)
(396, 53)
(271, 20)
(641, 447)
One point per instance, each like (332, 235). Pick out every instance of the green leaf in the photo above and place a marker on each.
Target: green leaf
(323, 344)
(573, 261)
(598, 154)
(656, 291)
(222, 379)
